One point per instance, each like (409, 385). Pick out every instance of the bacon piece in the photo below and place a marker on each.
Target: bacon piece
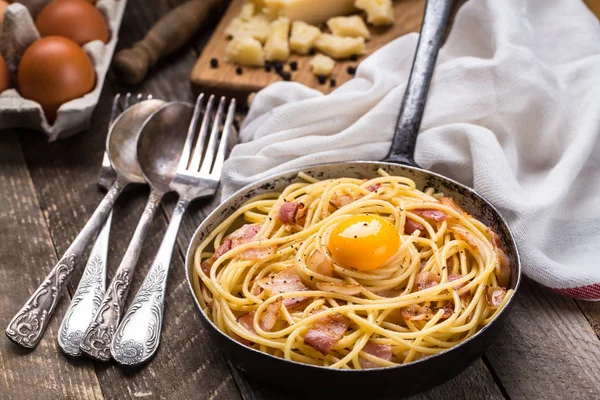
(448, 310)
(340, 288)
(383, 351)
(340, 200)
(453, 277)
(206, 265)
(241, 236)
(269, 317)
(223, 248)
(301, 214)
(374, 187)
(415, 312)
(247, 321)
(431, 213)
(410, 226)
(449, 201)
(287, 212)
(425, 280)
(494, 296)
(318, 262)
(503, 264)
(502, 268)
(389, 293)
(495, 239)
(326, 332)
(257, 254)
(283, 282)
(244, 235)
(466, 236)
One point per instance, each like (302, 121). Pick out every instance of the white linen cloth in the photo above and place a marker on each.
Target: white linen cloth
(513, 111)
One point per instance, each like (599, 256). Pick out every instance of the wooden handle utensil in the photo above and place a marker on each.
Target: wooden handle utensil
(166, 36)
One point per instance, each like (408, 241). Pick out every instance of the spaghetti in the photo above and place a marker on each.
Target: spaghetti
(349, 273)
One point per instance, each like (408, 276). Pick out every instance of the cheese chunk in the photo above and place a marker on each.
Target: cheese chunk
(340, 47)
(379, 12)
(277, 47)
(245, 50)
(258, 3)
(353, 26)
(322, 65)
(257, 27)
(248, 11)
(310, 11)
(303, 37)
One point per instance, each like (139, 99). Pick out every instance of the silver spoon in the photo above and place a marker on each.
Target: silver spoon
(28, 325)
(158, 150)
(92, 284)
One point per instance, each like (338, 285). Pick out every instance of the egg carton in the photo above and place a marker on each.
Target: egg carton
(17, 34)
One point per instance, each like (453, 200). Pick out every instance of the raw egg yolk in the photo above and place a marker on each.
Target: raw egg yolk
(364, 242)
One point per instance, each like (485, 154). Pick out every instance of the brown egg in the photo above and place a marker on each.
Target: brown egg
(4, 78)
(3, 5)
(77, 20)
(54, 70)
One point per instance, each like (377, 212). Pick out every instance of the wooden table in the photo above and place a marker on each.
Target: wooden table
(550, 348)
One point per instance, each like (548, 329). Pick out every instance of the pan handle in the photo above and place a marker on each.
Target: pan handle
(436, 17)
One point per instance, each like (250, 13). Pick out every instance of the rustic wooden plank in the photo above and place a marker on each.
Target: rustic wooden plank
(591, 310)
(547, 349)
(27, 255)
(186, 365)
(224, 80)
(474, 383)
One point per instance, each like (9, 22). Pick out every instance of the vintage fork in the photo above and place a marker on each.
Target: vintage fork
(138, 335)
(92, 285)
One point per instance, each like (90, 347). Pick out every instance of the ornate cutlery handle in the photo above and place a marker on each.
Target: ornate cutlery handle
(96, 340)
(88, 295)
(27, 326)
(138, 335)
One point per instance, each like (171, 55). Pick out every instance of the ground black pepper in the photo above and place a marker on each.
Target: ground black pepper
(332, 83)
(351, 70)
(239, 70)
(294, 65)
(286, 76)
(322, 79)
(214, 63)
(354, 57)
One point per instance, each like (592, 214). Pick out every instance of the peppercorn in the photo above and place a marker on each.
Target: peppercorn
(351, 70)
(239, 70)
(294, 65)
(214, 63)
(322, 79)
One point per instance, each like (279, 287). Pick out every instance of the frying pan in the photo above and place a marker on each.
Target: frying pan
(402, 380)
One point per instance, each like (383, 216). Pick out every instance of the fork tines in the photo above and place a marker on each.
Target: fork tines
(211, 141)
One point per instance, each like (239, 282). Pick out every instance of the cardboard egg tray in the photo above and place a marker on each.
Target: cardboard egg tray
(17, 34)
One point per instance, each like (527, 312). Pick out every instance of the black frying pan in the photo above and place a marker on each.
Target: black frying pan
(397, 381)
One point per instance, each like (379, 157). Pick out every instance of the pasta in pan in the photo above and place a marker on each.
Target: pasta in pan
(350, 273)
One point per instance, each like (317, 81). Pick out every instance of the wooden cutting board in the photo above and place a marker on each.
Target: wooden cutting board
(225, 81)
